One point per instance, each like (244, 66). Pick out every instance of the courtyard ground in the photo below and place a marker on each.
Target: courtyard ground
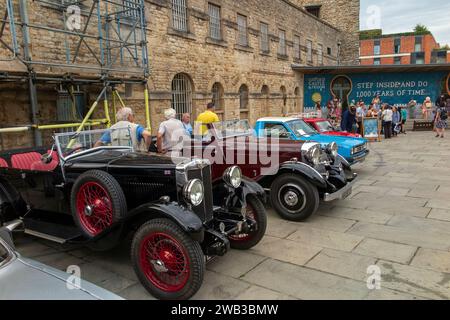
(398, 218)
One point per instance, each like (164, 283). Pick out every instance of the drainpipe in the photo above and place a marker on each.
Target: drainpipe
(31, 83)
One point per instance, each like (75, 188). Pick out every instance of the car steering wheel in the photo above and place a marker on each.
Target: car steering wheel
(75, 150)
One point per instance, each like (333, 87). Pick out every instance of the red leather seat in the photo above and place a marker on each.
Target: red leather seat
(3, 163)
(24, 161)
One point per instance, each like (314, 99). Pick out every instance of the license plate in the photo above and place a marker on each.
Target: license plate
(347, 193)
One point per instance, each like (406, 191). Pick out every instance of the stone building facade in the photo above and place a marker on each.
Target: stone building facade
(237, 53)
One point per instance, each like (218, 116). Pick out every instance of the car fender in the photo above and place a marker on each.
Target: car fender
(187, 220)
(251, 187)
(308, 172)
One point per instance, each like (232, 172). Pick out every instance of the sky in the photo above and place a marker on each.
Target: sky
(395, 16)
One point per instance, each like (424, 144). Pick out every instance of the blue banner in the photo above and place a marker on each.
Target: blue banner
(393, 88)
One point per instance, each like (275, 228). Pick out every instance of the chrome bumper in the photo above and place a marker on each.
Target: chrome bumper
(341, 194)
(360, 158)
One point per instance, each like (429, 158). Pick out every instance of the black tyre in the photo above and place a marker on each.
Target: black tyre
(169, 264)
(257, 213)
(293, 197)
(97, 202)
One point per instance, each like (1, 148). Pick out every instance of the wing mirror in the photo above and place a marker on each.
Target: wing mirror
(7, 230)
(47, 158)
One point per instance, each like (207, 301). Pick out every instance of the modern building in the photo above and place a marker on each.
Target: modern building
(238, 54)
(403, 48)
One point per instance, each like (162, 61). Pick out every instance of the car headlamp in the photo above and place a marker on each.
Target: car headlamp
(312, 152)
(194, 192)
(233, 176)
(332, 149)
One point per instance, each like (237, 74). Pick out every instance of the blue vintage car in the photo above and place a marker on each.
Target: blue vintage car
(354, 150)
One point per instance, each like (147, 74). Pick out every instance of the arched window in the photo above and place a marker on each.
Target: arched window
(217, 96)
(182, 94)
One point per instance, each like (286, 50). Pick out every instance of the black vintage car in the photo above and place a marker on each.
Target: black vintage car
(178, 218)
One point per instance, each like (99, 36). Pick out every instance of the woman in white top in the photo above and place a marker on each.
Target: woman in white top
(387, 120)
(426, 108)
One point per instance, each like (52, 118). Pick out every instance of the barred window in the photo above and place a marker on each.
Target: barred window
(243, 97)
(242, 30)
(320, 54)
(179, 15)
(215, 31)
(282, 44)
(297, 47)
(265, 47)
(309, 50)
(182, 94)
(217, 96)
(131, 8)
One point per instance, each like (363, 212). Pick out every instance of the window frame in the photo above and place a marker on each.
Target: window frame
(309, 51)
(242, 30)
(264, 37)
(180, 18)
(297, 51)
(282, 45)
(320, 54)
(215, 23)
(376, 47)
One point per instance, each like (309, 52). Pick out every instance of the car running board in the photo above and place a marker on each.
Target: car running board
(51, 231)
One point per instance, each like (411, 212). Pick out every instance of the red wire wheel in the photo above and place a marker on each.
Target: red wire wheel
(167, 261)
(97, 202)
(256, 213)
(94, 208)
(164, 262)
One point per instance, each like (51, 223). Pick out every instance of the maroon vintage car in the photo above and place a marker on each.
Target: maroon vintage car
(295, 174)
(324, 126)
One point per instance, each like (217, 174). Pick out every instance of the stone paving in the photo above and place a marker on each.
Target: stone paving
(398, 218)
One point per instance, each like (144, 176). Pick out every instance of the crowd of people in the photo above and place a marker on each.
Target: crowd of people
(172, 130)
(393, 118)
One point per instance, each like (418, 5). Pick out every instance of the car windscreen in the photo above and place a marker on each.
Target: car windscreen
(324, 126)
(301, 128)
(75, 142)
(232, 128)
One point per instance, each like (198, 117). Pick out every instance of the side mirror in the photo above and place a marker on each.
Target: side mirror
(47, 158)
(7, 229)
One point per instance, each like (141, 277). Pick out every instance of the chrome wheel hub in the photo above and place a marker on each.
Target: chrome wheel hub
(88, 211)
(291, 198)
(159, 266)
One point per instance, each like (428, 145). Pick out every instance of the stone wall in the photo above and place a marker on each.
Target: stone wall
(343, 14)
(274, 89)
(207, 62)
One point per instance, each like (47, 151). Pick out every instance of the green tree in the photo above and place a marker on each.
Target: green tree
(421, 29)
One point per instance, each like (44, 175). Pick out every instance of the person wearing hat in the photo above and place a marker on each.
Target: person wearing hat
(426, 108)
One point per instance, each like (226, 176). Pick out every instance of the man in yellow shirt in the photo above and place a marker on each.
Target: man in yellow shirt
(207, 117)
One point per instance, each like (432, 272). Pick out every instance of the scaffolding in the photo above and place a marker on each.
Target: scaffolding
(93, 42)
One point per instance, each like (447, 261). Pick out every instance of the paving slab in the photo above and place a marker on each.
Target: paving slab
(262, 294)
(420, 224)
(432, 259)
(358, 215)
(439, 214)
(343, 264)
(386, 250)
(400, 235)
(235, 263)
(326, 239)
(304, 283)
(416, 281)
(219, 287)
(286, 250)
